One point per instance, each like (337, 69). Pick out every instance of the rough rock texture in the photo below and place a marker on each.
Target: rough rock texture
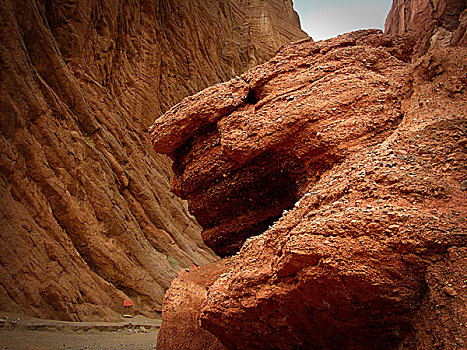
(183, 302)
(357, 159)
(434, 23)
(246, 150)
(86, 216)
(441, 321)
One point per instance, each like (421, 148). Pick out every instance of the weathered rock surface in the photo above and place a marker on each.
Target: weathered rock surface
(440, 321)
(246, 150)
(357, 160)
(183, 302)
(86, 217)
(436, 23)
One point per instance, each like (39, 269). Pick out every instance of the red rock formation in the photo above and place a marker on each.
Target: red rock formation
(440, 321)
(357, 160)
(86, 216)
(243, 149)
(271, 23)
(184, 300)
(433, 23)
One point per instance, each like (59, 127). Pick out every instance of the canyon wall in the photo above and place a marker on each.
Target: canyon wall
(86, 215)
(334, 178)
(434, 24)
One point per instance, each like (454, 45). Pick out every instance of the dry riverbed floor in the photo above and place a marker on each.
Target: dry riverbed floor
(138, 333)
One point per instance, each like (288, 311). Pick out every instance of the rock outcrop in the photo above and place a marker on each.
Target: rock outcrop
(347, 165)
(86, 215)
(184, 302)
(245, 150)
(436, 23)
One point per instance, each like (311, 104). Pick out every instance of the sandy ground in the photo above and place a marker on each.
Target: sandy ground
(72, 340)
(33, 334)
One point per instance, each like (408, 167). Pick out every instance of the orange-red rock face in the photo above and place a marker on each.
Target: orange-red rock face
(246, 150)
(356, 159)
(440, 321)
(437, 23)
(184, 302)
(86, 216)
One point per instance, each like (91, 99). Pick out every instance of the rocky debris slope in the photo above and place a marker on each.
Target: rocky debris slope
(348, 166)
(434, 23)
(86, 215)
(440, 321)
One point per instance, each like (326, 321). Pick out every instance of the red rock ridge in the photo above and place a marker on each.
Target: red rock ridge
(433, 23)
(86, 215)
(357, 161)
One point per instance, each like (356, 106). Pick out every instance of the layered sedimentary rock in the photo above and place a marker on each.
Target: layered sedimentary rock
(86, 216)
(271, 23)
(347, 165)
(437, 23)
(245, 150)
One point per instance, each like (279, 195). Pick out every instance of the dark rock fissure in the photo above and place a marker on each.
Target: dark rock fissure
(252, 98)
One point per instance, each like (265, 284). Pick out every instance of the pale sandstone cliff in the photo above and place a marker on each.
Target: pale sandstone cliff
(434, 23)
(86, 217)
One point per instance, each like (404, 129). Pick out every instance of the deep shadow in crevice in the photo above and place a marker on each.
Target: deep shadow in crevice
(252, 97)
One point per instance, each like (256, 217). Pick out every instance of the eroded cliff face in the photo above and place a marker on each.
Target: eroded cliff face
(438, 23)
(87, 218)
(347, 165)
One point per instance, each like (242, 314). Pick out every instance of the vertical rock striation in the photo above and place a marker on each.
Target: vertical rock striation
(434, 23)
(86, 216)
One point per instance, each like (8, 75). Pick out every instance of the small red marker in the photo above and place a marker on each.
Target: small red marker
(127, 304)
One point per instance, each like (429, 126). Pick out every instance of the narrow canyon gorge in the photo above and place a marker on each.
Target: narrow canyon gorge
(87, 218)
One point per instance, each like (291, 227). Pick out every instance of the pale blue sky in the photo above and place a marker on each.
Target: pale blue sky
(323, 19)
